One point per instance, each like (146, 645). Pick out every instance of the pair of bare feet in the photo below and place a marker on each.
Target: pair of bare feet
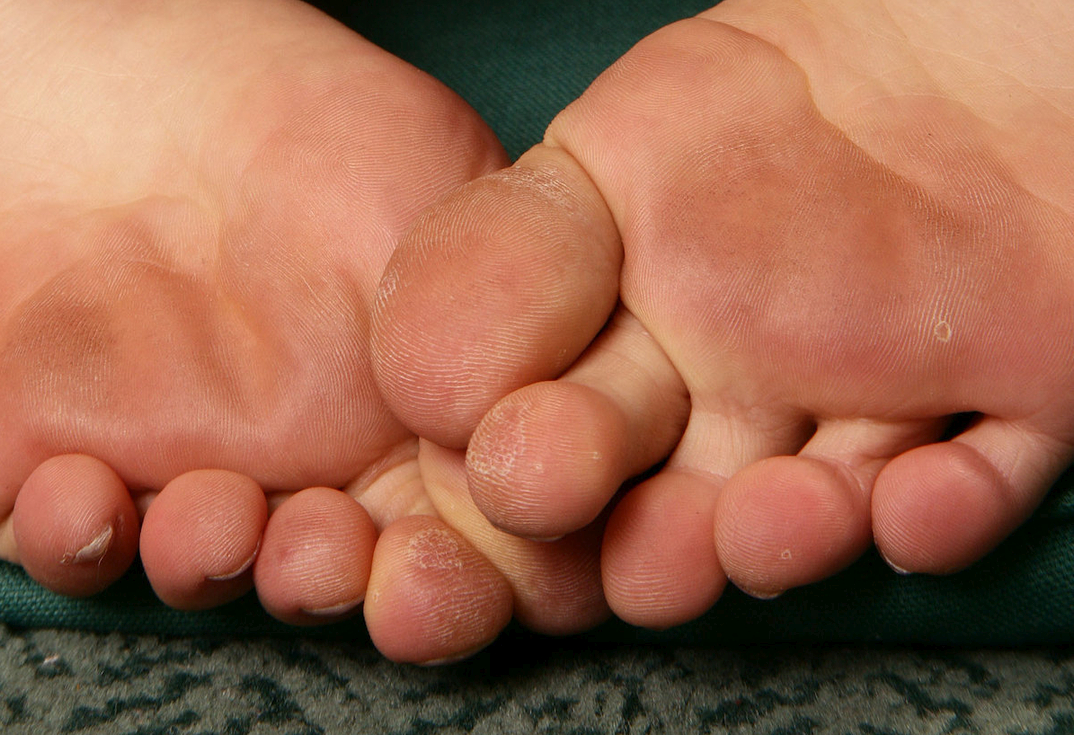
(779, 246)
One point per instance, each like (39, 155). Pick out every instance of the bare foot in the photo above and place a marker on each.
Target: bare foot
(198, 202)
(833, 227)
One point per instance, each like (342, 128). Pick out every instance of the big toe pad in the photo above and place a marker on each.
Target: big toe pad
(75, 525)
(432, 596)
(315, 558)
(501, 285)
(200, 537)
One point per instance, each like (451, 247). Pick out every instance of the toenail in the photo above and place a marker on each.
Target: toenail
(895, 567)
(332, 611)
(240, 571)
(758, 595)
(94, 550)
(454, 658)
(544, 539)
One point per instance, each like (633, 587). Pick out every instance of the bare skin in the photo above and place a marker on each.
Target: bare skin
(824, 230)
(197, 201)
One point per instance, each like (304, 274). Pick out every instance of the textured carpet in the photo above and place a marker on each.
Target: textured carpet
(64, 682)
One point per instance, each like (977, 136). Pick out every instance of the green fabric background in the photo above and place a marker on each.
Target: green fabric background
(519, 63)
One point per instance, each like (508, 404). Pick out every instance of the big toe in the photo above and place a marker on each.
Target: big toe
(501, 285)
(445, 585)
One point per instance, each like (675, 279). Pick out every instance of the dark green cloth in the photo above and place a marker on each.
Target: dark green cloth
(518, 63)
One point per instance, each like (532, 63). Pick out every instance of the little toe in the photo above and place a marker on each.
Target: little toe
(75, 525)
(547, 459)
(200, 537)
(939, 508)
(788, 521)
(432, 596)
(501, 285)
(313, 567)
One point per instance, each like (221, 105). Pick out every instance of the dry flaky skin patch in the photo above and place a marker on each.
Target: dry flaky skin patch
(94, 550)
(435, 548)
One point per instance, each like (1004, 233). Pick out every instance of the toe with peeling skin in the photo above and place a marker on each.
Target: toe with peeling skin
(94, 551)
(75, 525)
